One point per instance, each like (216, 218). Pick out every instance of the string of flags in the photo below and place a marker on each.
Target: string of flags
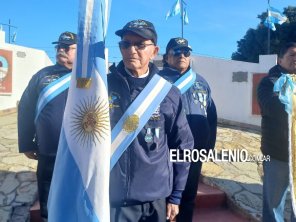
(176, 10)
(274, 17)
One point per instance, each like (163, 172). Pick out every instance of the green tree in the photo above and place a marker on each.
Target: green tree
(255, 42)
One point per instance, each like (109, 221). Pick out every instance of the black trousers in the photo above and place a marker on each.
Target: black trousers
(44, 176)
(189, 194)
(145, 212)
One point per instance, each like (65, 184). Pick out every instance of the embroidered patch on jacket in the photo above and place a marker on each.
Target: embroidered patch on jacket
(114, 100)
(49, 79)
(156, 114)
(200, 94)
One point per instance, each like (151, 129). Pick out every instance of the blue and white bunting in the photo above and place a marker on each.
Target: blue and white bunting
(80, 184)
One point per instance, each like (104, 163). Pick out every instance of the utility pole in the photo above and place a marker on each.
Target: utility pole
(9, 29)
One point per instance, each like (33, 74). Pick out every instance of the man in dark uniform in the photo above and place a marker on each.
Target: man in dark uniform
(144, 184)
(200, 111)
(278, 131)
(40, 114)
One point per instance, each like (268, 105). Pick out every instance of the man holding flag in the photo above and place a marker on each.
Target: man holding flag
(147, 120)
(277, 100)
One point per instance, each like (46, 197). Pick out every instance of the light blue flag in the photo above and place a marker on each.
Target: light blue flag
(269, 23)
(14, 37)
(274, 17)
(185, 16)
(279, 18)
(175, 10)
(80, 184)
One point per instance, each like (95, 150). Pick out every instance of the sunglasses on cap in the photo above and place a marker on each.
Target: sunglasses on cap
(178, 52)
(137, 45)
(66, 47)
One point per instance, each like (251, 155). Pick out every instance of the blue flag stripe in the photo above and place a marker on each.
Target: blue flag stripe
(67, 193)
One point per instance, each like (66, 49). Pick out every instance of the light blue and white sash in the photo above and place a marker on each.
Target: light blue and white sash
(51, 91)
(142, 108)
(285, 87)
(185, 81)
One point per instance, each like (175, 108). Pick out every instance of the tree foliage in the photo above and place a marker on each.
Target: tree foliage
(255, 42)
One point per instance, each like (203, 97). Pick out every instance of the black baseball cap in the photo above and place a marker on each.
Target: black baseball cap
(140, 27)
(68, 38)
(177, 43)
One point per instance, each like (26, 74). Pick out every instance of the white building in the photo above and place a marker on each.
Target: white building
(17, 65)
(233, 85)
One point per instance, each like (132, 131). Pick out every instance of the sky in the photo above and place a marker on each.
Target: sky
(214, 26)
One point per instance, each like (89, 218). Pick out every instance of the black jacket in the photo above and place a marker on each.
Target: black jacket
(200, 109)
(144, 171)
(44, 136)
(274, 123)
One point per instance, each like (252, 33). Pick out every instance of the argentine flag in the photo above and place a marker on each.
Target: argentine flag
(175, 10)
(274, 17)
(80, 184)
(185, 15)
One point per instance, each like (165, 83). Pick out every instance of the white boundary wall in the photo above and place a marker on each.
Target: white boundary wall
(233, 99)
(23, 67)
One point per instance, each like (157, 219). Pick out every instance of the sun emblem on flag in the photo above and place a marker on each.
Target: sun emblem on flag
(90, 122)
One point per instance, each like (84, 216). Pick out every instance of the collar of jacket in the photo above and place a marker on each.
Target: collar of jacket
(172, 73)
(59, 68)
(120, 71)
(277, 70)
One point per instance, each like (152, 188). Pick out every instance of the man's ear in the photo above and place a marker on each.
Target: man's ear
(279, 61)
(165, 58)
(155, 52)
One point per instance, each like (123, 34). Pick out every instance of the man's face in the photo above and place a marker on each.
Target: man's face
(179, 59)
(66, 54)
(136, 53)
(288, 62)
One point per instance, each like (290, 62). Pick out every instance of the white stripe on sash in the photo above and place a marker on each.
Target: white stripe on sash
(185, 81)
(51, 91)
(143, 106)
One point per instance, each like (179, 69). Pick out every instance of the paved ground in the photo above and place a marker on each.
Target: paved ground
(241, 181)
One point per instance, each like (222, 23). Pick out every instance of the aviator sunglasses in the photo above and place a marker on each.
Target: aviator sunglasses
(178, 52)
(66, 47)
(137, 45)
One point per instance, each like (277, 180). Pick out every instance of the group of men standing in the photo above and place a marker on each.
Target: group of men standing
(144, 184)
